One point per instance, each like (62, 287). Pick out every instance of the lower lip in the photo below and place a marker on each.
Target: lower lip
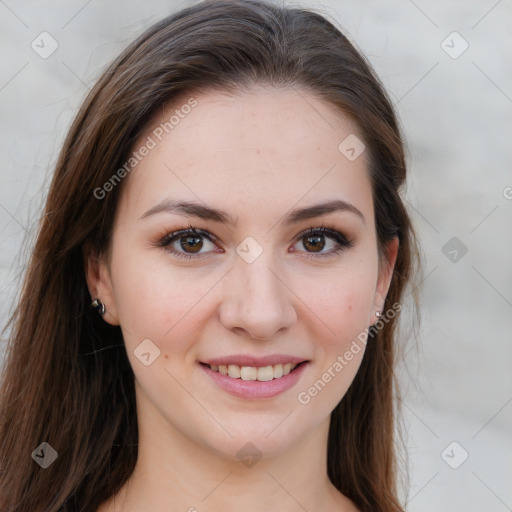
(255, 388)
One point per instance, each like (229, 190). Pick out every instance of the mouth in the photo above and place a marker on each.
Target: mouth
(268, 378)
(255, 373)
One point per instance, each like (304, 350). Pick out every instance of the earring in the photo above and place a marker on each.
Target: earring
(378, 314)
(97, 304)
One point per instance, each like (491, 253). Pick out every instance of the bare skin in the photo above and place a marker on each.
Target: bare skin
(257, 156)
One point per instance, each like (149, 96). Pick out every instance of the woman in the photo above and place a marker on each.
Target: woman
(208, 318)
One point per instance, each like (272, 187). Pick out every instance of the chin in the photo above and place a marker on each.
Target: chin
(256, 438)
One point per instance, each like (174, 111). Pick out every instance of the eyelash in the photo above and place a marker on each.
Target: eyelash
(341, 241)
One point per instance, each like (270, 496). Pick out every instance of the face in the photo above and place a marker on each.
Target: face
(217, 258)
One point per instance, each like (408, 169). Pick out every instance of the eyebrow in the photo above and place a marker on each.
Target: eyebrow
(193, 209)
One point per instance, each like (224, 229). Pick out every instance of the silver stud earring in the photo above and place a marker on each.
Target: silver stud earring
(97, 304)
(378, 314)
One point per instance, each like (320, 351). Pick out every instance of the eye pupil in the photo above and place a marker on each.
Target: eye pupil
(317, 242)
(195, 243)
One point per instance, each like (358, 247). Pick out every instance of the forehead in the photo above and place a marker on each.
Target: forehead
(252, 151)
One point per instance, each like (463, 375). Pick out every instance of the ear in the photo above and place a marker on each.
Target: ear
(386, 267)
(99, 283)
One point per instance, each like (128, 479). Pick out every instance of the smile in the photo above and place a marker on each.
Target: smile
(261, 381)
(260, 373)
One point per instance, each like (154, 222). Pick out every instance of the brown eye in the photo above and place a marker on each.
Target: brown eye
(314, 243)
(323, 242)
(189, 243)
(194, 243)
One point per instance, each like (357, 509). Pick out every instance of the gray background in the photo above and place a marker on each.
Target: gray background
(456, 114)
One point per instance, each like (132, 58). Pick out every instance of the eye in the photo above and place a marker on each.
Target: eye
(314, 241)
(187, 243)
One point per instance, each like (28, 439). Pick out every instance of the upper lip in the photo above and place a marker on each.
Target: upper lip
(247, 360)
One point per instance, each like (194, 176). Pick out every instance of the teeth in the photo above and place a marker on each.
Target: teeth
(278, 371)
(265, 373)
(248, 373)
(262, 373)
(234, 371)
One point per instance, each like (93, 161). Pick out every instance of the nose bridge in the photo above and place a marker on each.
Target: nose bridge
(257, 300)
(261, 282)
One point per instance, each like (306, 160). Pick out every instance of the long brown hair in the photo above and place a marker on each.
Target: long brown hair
(67, 379)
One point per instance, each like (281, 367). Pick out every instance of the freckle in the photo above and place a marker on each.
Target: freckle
(166, 356)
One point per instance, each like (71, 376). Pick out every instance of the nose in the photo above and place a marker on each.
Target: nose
(256, 300)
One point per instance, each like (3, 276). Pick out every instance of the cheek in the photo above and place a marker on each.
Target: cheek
(156, 301)
(343, 308)
(345, 300)
(342, 300)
